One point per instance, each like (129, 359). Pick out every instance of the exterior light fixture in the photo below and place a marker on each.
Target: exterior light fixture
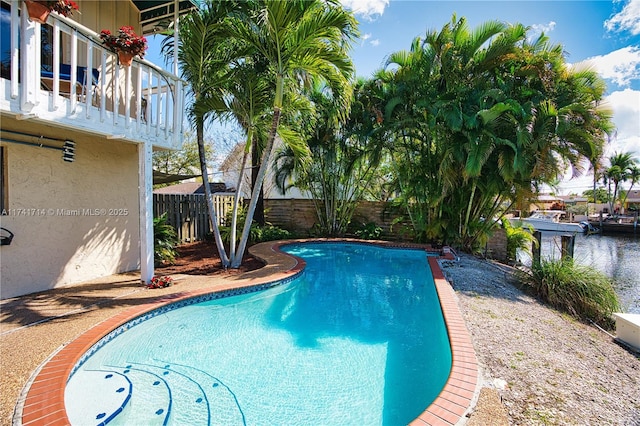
(69, 151)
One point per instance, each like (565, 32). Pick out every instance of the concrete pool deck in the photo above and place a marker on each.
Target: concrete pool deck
(90, 312)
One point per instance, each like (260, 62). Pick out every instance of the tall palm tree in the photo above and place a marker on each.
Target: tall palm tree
(634, 177)
(201, 55)
(621, 169)
(248, 99)
(299, 40)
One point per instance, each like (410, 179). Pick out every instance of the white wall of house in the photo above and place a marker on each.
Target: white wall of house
(232, 165)
(72, 221)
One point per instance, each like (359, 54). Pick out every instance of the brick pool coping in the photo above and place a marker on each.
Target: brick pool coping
(44, 400)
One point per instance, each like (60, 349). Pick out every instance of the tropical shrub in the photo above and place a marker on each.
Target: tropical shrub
(225, 231)
(165, 240)
(271, 233)
(368, 231)
(519, 237)
(580, 290)
(470, 120)
(257, 233)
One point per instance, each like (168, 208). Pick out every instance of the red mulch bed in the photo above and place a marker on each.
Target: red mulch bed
(201, 258)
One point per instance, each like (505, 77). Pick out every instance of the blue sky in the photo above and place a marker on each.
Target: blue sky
(603, 34)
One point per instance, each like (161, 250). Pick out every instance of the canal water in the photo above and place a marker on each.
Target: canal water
(618, 256)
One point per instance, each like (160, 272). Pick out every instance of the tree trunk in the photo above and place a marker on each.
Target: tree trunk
(266, 153)
(255, 162)
(236, 203)
(207, 193)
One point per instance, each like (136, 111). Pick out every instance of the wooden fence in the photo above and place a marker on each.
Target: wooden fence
(188, 213)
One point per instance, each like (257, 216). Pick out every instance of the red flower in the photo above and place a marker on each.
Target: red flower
(126, 41)
(160, 282)
(63, 7)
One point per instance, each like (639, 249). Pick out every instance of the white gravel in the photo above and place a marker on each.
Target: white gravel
(548, 368)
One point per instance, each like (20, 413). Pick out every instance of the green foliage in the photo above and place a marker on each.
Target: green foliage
(601, 195)
(519, 237)
(582, 291)
(475, 120)
(186, 161)
(368, 231)
(271, 233)
(341, 167)
(257, 233)
(165, 240)
(577, 209)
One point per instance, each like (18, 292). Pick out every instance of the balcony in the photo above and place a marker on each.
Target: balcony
(60, 73)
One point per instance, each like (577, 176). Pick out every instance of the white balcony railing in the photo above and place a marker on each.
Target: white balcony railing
(61, 72)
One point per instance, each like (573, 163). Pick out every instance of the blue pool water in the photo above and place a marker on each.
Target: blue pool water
(357, 339)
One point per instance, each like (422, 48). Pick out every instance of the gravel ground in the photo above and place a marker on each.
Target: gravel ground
(546, 367)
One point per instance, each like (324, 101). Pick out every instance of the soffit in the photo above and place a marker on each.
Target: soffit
(157, 15)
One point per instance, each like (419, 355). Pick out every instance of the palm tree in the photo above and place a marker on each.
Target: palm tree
(341, 166)
(201, 55)
(634, 177)
(479, 119)
(621, 169)
(299, 40)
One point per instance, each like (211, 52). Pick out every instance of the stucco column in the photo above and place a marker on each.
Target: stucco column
(145, 192)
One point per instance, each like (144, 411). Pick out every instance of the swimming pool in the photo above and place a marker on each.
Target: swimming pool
(358, 338)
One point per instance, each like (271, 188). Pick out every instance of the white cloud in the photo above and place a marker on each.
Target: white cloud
(626, 20)
(622, 66)
(626, 110)
(375, 42)
(538, 29)
(366, 37)
(368, 9)
(625, 105)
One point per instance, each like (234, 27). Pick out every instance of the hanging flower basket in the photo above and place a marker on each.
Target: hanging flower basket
(38, 12)
(127, 44)
(125, 58)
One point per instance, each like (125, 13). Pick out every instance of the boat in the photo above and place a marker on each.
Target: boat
(549, 220)
(588, 228)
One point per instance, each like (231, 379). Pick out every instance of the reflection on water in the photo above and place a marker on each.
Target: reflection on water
(617, 256)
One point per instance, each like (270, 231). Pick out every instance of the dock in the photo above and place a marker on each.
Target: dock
(625, 225)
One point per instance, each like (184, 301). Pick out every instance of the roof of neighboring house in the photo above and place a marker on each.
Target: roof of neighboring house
(574, 198)
(191, 188)
(232, 158)
(633, 196)
(548, 197)
(160, 177)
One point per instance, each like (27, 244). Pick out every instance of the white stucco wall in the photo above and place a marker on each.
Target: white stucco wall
(72, 221)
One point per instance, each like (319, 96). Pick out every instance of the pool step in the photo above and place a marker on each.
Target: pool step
(224, 408)
(185, 396)
(151, 394)
(153, 404)
(102, 402)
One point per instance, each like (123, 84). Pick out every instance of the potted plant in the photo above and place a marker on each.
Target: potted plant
(39, 10)
(126, 44)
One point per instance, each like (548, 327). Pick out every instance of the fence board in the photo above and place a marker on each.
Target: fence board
(187, 213)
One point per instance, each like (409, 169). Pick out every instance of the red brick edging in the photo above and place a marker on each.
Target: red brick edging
(44, 401)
